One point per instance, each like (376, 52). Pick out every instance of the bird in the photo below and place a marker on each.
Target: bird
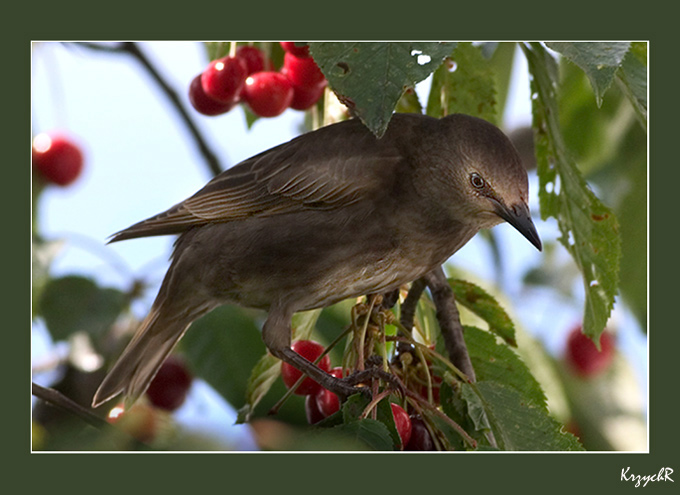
(332, 214)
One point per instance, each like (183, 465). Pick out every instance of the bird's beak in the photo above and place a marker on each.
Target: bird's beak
(519, 217)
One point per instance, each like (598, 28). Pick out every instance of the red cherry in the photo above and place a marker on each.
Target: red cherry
(292, 48)
(302, 72)
(420, 436)
(403, 423)
(304, 98)
(224, 78)
(253, 58)
(169, 388)
(326, 401)
(57, 158)
(314, 415)
(203, 103)
(583, 356)
(309, 350)
(267, 93)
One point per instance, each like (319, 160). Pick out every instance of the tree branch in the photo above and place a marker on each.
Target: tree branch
(57, 399)
(449, 321)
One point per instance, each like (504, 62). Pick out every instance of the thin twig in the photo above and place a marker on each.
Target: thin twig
(57, 399)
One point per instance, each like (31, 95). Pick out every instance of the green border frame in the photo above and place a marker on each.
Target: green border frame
(348, 20)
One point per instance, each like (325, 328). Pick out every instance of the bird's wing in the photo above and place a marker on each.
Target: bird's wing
(318, 170)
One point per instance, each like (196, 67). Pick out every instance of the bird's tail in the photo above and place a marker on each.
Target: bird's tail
(144, 355)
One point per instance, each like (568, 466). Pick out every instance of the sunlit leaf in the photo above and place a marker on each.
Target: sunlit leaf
(486, 307)
(633, 75)
(464, 84)
(518, 424)
(599, 60)
(263, 375)
(494, 361)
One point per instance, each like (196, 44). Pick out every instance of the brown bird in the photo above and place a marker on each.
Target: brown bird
(332, 214)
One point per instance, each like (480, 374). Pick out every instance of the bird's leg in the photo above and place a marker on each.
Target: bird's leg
(276, 334)
(449, 321)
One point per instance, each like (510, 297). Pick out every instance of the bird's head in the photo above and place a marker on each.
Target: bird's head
(490, 181)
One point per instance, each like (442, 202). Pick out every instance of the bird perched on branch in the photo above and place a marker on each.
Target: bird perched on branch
(332, 214)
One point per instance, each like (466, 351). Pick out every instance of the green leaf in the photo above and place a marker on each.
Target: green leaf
(501, 63)
(353, 407)
(303, 324)
(371, 77)
(263, 375)
(497, 362)
(475, 409)
(222, 348)
(371, 432)
(468, 87)
(599, 61)
(386, 417)
(486, 307)
(633, 76)
(73, 304)
(589, 229)
(518, 424)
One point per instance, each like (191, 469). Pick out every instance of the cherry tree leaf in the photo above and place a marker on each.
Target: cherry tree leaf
(370, 78)
(599, 61)
(589, 229)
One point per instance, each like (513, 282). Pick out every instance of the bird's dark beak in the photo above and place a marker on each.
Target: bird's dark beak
(519, 217)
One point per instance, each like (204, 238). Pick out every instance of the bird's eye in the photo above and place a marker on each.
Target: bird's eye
(477, 181)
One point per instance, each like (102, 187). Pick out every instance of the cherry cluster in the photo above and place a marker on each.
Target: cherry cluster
(321, 403)
(247, 77)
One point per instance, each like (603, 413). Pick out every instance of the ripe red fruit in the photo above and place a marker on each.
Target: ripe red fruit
(57, 158)
(302, 72)
(420, 436)
(203, 103)
(304, 98)
(314, 415)
(583, 356)
(292, 48)
(403, 423)
(253, 58)
(326, 401)
(224, 78)
(267, 93)
(169, 388)
(309, 350)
